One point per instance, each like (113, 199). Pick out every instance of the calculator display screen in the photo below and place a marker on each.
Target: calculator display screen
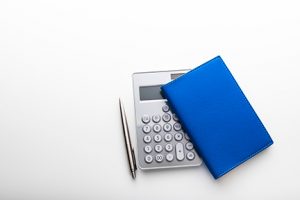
(150, 93)
(174, 76)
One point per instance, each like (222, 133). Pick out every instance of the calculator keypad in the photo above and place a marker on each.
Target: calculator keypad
(164, 140)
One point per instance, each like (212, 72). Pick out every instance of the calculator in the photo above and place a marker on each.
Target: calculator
(161, 141)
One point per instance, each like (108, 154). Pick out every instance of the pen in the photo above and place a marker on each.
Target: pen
(129, 148)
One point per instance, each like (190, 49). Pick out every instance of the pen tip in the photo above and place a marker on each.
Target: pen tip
(133, 174)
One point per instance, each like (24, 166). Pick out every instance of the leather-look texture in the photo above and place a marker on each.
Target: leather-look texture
(217, 116)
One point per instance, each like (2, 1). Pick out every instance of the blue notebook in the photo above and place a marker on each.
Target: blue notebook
(217, 116)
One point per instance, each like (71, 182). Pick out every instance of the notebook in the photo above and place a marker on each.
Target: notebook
(217, 116)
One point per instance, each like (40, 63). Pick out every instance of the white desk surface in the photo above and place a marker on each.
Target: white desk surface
(63, 65)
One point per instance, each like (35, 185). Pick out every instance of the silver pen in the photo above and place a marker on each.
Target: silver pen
(129, 148)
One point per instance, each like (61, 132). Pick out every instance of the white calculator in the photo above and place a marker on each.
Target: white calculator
(161, 141)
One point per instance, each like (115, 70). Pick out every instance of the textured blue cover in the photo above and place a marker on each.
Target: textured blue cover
(215, 113)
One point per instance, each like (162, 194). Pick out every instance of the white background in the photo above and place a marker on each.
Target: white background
(63, 65)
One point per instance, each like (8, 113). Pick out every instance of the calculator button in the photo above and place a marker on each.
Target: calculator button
(148, 159)
(158, 148)
(177, 127)
(175, 117)
(169, 157)
(166, 117)
(178, 136)
(169, 147)
(165, 108)
(156, 128)
(146, 119)
(190, 155)
(167, 127)
(148, 149)
(146, 129)
(179, 151)
(189, 146)
(156, 118)
(168, 137)
(186, 136)
(157, 138)
(159, 158)
(147, 139)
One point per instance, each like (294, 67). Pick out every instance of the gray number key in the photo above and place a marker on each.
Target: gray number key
(169, 157)
(148, 159)
(189, 146)
(175, 117)
(186, 136)
(158, 148)
(167, 127)
(147, 139)
(165, 108)
(146, 129)
(166, 117)
(177, 127)
(156, 128)
(169, 147)
(148, 149)
(190, 155)
(178, 136)
(156, 118)
(157, 138)
(146, 119)
(168, 137)
(159, 157)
